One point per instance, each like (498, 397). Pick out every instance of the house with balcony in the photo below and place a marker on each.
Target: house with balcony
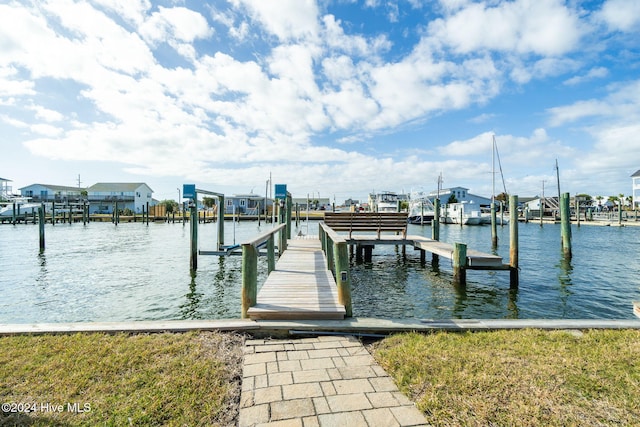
(129, 195)
(52, 193)
(635, 189)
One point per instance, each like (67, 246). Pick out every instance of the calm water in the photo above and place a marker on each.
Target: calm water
(101, 272)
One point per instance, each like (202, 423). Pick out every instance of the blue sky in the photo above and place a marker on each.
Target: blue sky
(336, 98)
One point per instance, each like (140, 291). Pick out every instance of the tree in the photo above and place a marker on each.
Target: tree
(502, 197)
(169, 205)
(209, 202)
(452, 199)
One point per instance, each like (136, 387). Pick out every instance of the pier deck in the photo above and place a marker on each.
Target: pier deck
(475, 259)
(300, 287)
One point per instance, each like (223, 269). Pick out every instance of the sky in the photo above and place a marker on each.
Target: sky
(334, 98)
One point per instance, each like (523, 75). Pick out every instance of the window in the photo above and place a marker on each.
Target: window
(243, 202)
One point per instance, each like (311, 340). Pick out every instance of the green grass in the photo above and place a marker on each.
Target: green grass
(159, 379)
(519, 378)
(503, 378)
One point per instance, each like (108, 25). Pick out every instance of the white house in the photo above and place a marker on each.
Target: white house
(635, 189)
(461, 194)
(51, 193)
(129, 195)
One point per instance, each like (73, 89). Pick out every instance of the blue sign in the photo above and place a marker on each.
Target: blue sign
(281, 191)
(189, 191)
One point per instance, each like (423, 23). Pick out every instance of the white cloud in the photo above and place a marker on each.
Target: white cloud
(289, 20)
(47, 114)
(132, 11)
(594, 73)
(176, 23)
(622, 103)
(542, 27)
(621, 15)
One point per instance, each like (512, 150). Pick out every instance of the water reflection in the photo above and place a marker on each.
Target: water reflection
(190, 309)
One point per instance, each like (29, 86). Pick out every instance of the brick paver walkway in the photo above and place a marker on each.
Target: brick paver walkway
(324, 381)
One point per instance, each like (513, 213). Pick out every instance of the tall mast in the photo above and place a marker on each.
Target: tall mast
(493, 170)
(558, 177)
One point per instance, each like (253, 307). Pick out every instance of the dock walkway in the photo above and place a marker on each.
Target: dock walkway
(300, 287)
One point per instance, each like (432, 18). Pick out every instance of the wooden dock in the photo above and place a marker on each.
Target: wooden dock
(300, 287)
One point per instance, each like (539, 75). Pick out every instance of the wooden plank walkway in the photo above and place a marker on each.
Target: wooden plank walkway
(475, 259)
(300, 287)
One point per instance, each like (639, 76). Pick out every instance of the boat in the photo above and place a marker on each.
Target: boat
(464, 213)
(22, 205)
(385, 201)
(421, 210)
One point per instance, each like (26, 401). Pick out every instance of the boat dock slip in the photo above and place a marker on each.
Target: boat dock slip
(300, 287)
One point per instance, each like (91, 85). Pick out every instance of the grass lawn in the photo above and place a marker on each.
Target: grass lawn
(503, 378)
(519, 378)
(190, 379)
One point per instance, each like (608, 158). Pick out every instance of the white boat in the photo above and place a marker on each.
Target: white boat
(421, 210)
(386, 201)
(464, 213)
(22, 204)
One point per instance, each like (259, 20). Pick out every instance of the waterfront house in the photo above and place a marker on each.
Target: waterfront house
(52, 193)
(245, 204)
(635, 188)
(461, 195)
(130, 195)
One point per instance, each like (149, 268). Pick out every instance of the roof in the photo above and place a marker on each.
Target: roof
(636, 174)
(55, 187)
(116, 186)
(4, 179)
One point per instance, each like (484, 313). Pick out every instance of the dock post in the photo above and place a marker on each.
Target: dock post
(513, 242)
(435, 229)
(494, 225)
(249, 277)
(578, 212)
(619, 212)
(288, 215)
(460, 263)
(565, 222)
(193, 222)
(13, 215)
(220, 208)
(271, 254)
(435, 224)
(41, 226)
(343, 276)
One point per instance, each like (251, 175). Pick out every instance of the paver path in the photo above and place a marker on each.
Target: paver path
(323, 381)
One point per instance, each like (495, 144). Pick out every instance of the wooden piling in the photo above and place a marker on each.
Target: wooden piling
(459, 263)
(271, 254)
(249, 277)
(41, 226)
(494, 223)
(435, 229)
(193, 222)
(565, 225)
(220, 212)
(513, 242)
(343, 276)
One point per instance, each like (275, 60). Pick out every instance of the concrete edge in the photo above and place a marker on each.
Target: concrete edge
(351, 326)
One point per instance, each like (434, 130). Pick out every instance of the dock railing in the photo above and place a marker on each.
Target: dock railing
(337, 254)
(250, 252)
